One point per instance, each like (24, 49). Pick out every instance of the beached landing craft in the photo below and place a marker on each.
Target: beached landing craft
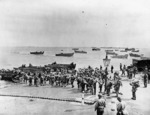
(56, 66)
(140, 64)
(65, 54)
(37, 52)
(17, 73)
(135, 55)
(121, 56)
(79, 51)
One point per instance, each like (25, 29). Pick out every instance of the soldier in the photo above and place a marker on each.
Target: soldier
(135, 85)
(79, 79)
(100, 105)
(108, 87)
(112, 68)
(36, 81)
(148, 76)
(42, 80)
(134, 70)
(105, 79)
(116, 74)
(64, 80)
(26, 77)
(120, 66)
(117, 85)
(94, 85)
(52, 79)
(101, 68)
(123, 72)
(128, 74)
(30, 79)
(119, 107)
(101, 82)
(82, 85)
(145, 79)
(72, 80)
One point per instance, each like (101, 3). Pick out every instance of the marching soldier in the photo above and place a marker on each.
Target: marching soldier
(134, 70)
(101, 82)
(135, 85)
(145, 79)
(108, 87)
(120, 66)
(112, 68)
(30, 79)
(94, 86)
(72, 80)
(100, 105)
(117, 85)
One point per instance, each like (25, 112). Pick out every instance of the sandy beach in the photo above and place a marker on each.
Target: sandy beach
(34, 106)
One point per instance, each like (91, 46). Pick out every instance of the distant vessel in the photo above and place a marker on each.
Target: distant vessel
(79, 51)
(121, 56)
(135, 50)
(65, 54)
(129, 49)
(75, 48)
(123, 50)
(111, 53)
(96, 49)
(37, 52)
(109, 50)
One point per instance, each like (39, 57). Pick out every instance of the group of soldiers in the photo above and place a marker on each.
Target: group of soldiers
(86, 79)
(121, 105)
(60, 78)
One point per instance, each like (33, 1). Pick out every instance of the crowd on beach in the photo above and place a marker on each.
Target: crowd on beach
(86, 78)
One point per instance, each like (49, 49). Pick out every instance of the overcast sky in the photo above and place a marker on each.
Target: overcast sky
(75, 23)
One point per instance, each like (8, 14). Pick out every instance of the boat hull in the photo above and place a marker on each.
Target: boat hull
(37, 53)
(111, 53)
(84, 52)
(134, 55)
(121, 56)
(65, 54)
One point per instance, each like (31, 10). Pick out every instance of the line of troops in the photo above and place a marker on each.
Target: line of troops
(86, 78)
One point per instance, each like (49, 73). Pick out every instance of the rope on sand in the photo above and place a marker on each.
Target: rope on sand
(47, 98)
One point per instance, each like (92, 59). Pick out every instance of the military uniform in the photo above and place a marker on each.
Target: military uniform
(99, 106)
(101, 82)
(117, 87)
(108, 87)
(145, 80)
(30, 80)
(134, 85)
(112, 68)
(72, 80)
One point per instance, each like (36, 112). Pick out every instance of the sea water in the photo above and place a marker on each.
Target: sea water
(11, 57)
